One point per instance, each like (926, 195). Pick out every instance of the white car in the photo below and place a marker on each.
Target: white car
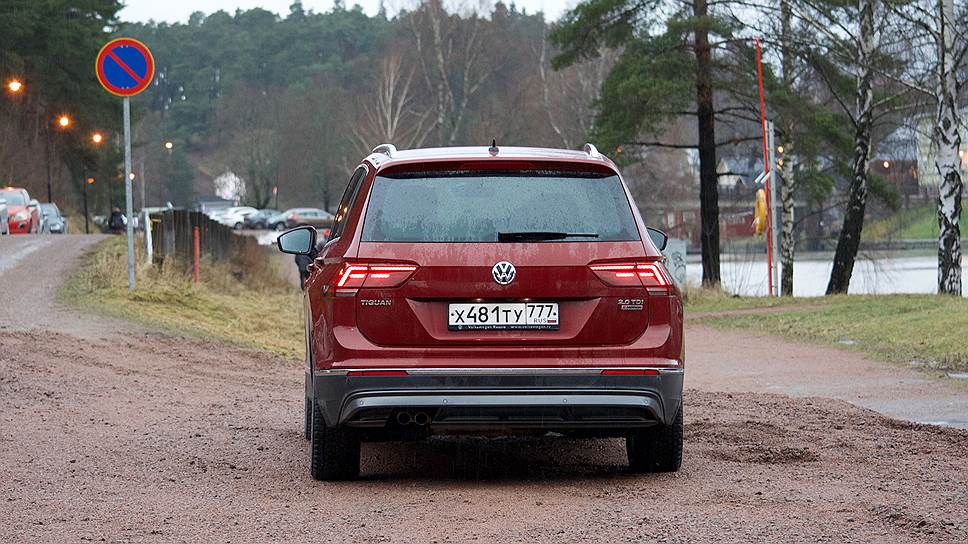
(234, 217)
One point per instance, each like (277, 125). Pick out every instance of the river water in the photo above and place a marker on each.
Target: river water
(880, 275)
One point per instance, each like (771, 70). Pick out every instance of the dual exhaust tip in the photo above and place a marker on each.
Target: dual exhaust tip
(420, 419)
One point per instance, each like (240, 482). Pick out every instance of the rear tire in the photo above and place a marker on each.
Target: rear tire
(656, 449)
(334, 452)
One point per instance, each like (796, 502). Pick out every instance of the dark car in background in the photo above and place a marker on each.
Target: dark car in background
(295, 217)
(53, 219)
(259, 219)
(489, 291)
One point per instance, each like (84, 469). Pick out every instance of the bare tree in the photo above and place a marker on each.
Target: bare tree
(453, 54)
(392, 113)
(248, 121)
(568, 96)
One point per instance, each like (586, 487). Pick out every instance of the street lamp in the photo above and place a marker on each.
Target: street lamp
(63, 121)
(15, 86)
(887, 164)
(779, 149)
(169, 145)
(97, 138)
(131, 176)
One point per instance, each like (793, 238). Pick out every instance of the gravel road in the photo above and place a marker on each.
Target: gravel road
(110, 433)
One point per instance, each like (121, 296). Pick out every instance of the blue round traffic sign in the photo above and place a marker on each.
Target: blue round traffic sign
(125, 67)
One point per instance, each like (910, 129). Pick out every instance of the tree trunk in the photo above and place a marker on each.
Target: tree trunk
(787, 242)
(947, 161)
(787, 179)
(849, 240)
(708, 187)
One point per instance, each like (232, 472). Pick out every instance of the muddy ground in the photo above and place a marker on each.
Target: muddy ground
(112, 433)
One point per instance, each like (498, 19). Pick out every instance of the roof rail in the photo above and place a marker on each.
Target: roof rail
(387, 149)
(592, 151)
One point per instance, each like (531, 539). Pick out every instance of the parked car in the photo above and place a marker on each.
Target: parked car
(234, 217)
(483, 290)
(53, 220)
(259, 219)
(302, 216)
(23, 216)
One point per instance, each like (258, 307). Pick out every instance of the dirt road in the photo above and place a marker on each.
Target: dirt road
(125, 435)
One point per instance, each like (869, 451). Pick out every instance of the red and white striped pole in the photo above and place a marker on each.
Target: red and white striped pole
(766, 168)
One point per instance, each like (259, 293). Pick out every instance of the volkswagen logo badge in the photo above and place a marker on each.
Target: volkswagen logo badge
(503, 272)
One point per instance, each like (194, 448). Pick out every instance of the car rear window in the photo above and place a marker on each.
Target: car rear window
(475, 207)
(13, 198)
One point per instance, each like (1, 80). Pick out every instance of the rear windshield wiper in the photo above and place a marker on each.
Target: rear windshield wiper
(541, 235)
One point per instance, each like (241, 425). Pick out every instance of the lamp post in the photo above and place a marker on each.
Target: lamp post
(96, 138)
(88, 181)
(63, 122)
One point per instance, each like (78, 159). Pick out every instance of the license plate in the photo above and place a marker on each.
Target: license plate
(503, 316)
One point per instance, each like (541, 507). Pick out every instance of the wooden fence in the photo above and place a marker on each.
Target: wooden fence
(172, 236)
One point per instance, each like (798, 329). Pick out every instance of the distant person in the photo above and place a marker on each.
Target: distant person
(116, 222)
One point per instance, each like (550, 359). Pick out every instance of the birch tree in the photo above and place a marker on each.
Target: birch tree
(948, 136)
(391, 113)
(851, 41)
(453, 54)
(943, 31)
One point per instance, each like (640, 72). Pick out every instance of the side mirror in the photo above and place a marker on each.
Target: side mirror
(298, 241)
(34, 203)
(659, 238)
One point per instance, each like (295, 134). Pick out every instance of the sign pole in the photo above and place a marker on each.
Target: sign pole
(125, 67)
(127, 190)
(767, 167)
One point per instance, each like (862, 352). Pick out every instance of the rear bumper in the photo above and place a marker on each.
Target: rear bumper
(498, 400)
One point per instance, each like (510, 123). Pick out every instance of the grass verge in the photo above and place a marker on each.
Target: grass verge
(926, 329)
(245, 302)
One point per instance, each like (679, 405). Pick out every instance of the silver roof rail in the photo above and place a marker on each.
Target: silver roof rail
(592, 151)
(387, 149)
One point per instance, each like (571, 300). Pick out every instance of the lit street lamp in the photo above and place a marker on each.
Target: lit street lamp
(15, 86)
(97, 138)
(169, 145)
(63, 122)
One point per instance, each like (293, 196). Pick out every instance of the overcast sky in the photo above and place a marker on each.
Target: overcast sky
(179, 10)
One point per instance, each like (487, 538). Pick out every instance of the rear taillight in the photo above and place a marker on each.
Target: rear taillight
(358, 275)
(651, 275)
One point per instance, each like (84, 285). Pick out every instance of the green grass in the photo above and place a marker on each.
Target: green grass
(929, 329)
(911, 224)
(255, 309)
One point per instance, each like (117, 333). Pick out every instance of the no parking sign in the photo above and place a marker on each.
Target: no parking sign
(125, 67)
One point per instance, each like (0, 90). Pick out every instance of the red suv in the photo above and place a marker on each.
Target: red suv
(489, 291)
